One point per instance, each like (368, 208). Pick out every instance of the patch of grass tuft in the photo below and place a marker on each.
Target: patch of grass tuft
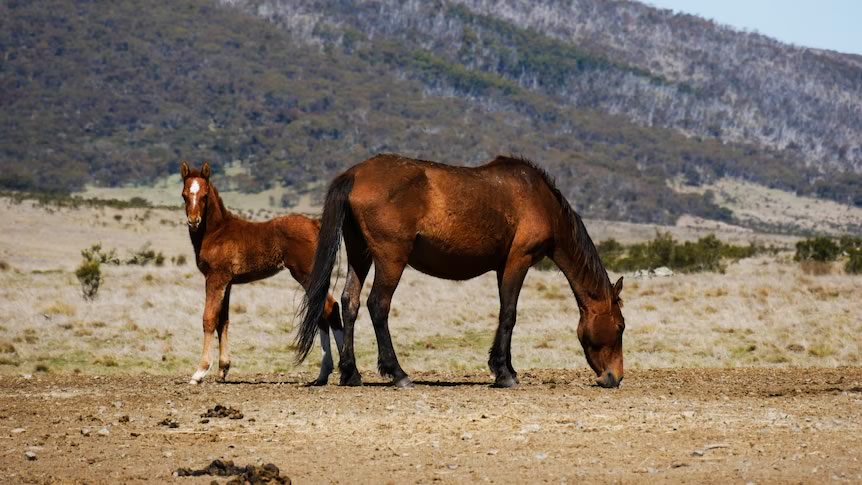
(60, 308)
(821, 350)
(107, 361)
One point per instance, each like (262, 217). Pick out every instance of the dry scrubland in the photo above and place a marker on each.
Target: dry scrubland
(87, 388)
(762, 311)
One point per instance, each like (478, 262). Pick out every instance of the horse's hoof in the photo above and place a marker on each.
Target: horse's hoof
(317, 383)
(194, 382)
(506, 382)
(403, 383)
(353, 381)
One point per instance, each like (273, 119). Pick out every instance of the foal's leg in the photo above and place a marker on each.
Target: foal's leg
(223, 324)
(509, 282)
(386, 277)
(216, 285)
(357, 270)
(329, 320)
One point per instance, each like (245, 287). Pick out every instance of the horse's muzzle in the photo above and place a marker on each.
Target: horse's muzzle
(194, 223)
(609, 380)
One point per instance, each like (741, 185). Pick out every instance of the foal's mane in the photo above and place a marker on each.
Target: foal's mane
(580, 246)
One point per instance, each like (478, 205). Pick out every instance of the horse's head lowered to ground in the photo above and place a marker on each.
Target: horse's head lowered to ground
(600, 331)
(196, 188)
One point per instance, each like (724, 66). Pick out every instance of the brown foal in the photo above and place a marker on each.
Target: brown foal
(230, 250)
(458, 223)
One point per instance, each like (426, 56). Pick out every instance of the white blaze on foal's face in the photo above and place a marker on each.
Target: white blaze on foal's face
(194, 189)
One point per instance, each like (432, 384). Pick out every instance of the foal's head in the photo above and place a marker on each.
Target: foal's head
(601, 334)
(196, 188)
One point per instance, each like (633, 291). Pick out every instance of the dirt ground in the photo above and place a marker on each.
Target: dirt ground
(665, 425)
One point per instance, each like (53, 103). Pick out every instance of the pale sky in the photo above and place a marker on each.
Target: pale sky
(825, 24)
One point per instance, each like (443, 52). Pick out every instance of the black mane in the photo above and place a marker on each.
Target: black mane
(580, 245)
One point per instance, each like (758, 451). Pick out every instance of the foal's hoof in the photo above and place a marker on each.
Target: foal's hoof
(403, 383)
(197, 377)
(505, 382)
(222, 375)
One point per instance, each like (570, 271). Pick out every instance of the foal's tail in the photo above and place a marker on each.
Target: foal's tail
(334, 211)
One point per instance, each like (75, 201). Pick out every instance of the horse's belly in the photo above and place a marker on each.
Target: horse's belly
(450, 261)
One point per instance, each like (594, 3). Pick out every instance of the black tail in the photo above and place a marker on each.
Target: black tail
(334, 211)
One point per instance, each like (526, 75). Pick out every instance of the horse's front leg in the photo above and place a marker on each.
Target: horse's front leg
(215, 291)
(223, 324)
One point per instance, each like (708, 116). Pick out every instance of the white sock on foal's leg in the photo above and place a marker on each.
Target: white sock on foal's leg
(199, 375)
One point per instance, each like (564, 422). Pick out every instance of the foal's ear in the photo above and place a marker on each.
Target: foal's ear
(184, 169)
(618, 287)
(205, 170)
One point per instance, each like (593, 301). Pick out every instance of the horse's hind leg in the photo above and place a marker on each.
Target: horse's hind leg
(509, 282)
(386, 278)
(223, 324)
(215, 292)
(358, 266)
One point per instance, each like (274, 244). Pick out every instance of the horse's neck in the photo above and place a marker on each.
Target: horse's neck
(586, 276)
(216, 212)
(589, 292)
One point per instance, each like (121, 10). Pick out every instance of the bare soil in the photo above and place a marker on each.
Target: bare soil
(663, 425)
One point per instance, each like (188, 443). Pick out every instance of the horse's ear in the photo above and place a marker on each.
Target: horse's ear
(618, 288)
(184, 169)
(205, 170)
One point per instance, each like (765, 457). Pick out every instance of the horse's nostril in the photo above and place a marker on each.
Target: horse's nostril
(608, 380)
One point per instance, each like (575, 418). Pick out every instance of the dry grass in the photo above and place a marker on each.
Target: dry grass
(762, 312)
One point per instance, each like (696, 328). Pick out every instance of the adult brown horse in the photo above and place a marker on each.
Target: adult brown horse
(230, 250)
(458, 223)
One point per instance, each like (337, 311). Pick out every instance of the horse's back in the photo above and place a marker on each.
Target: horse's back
(460, 221)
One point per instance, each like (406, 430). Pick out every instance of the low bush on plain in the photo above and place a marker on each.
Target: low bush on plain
(820, 249)
(146, 255)
(89, 273)
(816, 254)
(854, 262)
(705, 254)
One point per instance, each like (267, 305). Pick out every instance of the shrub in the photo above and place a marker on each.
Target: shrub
(545, 265)
(850, 243)
(820, 248)
(705, 254)
(610, 250)
(89, 273)
(854, 263)
(95, 253)
(179, 260)
(4, 266)
(145, 256)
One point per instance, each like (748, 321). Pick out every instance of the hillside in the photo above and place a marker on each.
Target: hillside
(296, 91)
